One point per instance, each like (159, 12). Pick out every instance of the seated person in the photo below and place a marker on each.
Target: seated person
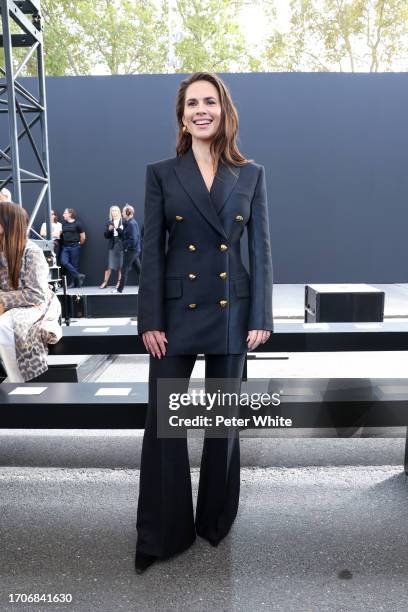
(25, 298)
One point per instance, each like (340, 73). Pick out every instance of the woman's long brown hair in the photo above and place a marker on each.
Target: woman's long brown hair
(224, 144)
(14, 221)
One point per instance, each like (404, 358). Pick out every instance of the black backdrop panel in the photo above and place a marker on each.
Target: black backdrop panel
(334, 147)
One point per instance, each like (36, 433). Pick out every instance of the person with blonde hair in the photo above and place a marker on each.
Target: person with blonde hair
(113, 228)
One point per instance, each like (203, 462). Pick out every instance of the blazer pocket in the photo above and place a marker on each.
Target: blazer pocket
(242, 288)
(173, 288)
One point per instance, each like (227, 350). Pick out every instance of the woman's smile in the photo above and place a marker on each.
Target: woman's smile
(202, 123)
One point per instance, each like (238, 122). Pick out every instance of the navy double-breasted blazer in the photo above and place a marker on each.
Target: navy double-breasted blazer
(193, 284)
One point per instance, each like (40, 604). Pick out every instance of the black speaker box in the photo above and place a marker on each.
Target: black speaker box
(348, 303)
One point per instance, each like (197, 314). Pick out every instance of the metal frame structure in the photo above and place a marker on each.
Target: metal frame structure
(19, 103)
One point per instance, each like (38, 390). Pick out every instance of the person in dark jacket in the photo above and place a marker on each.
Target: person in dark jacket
(131, 243)
(196, 296)
(73, 237)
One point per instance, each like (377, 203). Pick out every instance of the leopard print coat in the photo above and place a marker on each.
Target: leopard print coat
(28, 305)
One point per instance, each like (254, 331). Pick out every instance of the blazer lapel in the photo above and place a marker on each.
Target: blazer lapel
(190, 176)
(224, 182)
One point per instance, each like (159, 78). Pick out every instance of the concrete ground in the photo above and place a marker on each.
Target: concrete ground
(308, 538)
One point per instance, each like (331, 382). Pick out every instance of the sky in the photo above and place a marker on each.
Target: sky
(253, 24)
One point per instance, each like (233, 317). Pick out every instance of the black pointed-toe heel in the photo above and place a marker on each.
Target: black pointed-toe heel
(214, 542)
(143, 561)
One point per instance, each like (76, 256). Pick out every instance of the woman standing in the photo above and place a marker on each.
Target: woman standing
(197, 297)
(112, 233)
(56, 229)
(25, 298)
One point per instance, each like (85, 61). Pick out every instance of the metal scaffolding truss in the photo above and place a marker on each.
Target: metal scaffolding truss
(24, 109)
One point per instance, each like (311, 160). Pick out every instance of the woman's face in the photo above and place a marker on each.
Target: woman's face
(202, 110)
(115, 212)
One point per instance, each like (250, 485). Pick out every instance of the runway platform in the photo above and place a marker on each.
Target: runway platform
(288, 301)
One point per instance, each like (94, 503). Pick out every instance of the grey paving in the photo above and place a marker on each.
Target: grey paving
(305, 539)
(122, 449)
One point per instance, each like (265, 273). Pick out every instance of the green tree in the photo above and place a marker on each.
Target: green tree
(64, 53)
(127, 36)
(339, 35)
(120, 37)
(64, 50)
(211, 37)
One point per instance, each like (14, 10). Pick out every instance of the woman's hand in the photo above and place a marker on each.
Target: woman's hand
(154, 343)
(256, 337)
(2, 309)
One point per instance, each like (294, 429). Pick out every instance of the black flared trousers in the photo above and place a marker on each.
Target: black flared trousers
(165, 516)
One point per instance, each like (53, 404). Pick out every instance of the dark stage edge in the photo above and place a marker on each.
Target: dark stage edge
(326, 403)
(91, 290)
(93, 302)
(288, 300)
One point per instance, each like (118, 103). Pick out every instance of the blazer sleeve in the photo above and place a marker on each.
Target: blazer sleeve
(120, 230)
(151, 283)
(260, 259)
(108, 233)
(137, 239)
(34, 283)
